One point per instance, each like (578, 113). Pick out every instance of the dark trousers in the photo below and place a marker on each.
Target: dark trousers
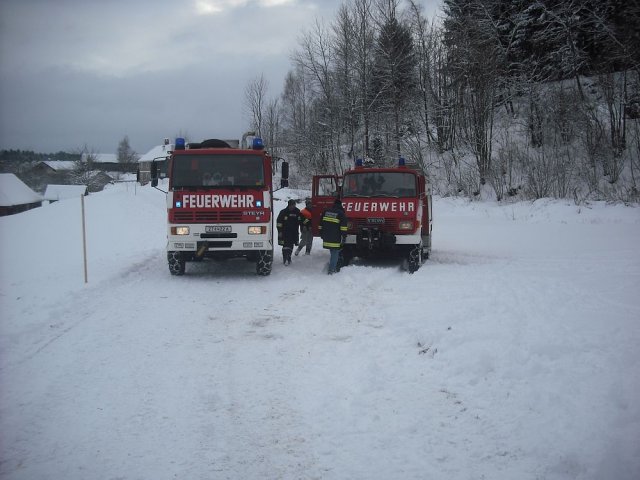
(287, 248)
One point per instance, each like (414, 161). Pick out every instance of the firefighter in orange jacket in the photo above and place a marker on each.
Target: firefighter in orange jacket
(306, 234)
(333, 228)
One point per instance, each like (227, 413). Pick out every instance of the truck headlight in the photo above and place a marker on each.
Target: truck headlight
(405, 225)
(257, 230)
(179, 230)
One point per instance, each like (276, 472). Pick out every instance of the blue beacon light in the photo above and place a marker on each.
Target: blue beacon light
(180, 144)
(359, 162)
(401, 162)
(257, 143)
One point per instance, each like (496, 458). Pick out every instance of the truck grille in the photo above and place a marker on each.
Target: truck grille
(389, 225)
(217, 244)
(186, 216)
(218, 235)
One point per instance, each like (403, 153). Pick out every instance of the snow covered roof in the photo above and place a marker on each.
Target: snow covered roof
(13, 191)
(61, 192)
(156, 152)
(101, 157)
(60, 165)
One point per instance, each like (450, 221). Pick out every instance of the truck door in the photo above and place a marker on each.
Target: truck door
(324, 190)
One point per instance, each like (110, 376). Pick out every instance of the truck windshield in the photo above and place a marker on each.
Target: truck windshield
(217, 170)
(379, 184)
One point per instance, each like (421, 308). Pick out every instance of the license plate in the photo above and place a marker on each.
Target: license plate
(217, 228)
(375, 220)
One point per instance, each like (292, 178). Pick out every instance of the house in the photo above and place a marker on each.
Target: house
(98, 180)
(52, 167)
(100, 158)
(108, 162)
(158, 153)
(53, 193)
(49, 172)
(15, 196)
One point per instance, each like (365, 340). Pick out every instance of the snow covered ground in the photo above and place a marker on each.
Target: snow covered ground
(513, 353)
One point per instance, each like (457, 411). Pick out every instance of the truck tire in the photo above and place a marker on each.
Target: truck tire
(264, 263)
(176, 263)
(414, 259)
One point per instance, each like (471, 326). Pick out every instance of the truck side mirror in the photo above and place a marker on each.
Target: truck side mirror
(284, 177)
(154, 174)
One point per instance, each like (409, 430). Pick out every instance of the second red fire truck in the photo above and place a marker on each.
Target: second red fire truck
(388, 210)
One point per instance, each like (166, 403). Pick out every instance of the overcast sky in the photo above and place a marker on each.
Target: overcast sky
(89, 72)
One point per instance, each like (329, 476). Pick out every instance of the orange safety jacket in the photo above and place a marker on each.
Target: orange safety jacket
(306, 218)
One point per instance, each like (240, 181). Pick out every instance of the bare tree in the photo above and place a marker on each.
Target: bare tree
(294, 105)
(424, 46)
(394, 70)
(614, 88)
(314, 58)
(255, 100)
(344, 30)
(83, 172)
(127, 157)
(364, 37)
(475, 67)
(272, 130)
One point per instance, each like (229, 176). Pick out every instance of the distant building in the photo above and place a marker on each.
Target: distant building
(160, 154)
(98, 180)
(15, 196)
(53, 193)
(108, 162)
(49, 167)
(49, 172)
(99, 157)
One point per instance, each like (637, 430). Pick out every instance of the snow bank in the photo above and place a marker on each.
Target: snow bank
(512, 353)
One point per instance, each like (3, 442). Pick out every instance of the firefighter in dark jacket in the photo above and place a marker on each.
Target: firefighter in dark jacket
(333, 229)
(288, 225)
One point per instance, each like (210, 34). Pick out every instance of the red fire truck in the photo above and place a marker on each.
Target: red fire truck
(388, 210)
(219, 204)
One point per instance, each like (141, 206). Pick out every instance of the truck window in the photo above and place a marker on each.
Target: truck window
(217, 170)
(327, 187)
(379, 184)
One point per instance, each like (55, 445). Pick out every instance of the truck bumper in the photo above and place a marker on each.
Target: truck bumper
(236, 242)
(371, 242)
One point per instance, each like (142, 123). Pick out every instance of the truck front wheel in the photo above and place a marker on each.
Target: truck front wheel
(264, 263)
(176, 263)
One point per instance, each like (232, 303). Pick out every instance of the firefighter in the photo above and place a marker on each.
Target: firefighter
(288, 225)
(306, 233)
(333, 228)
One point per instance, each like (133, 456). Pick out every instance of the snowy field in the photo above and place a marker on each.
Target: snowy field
(513, 353)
